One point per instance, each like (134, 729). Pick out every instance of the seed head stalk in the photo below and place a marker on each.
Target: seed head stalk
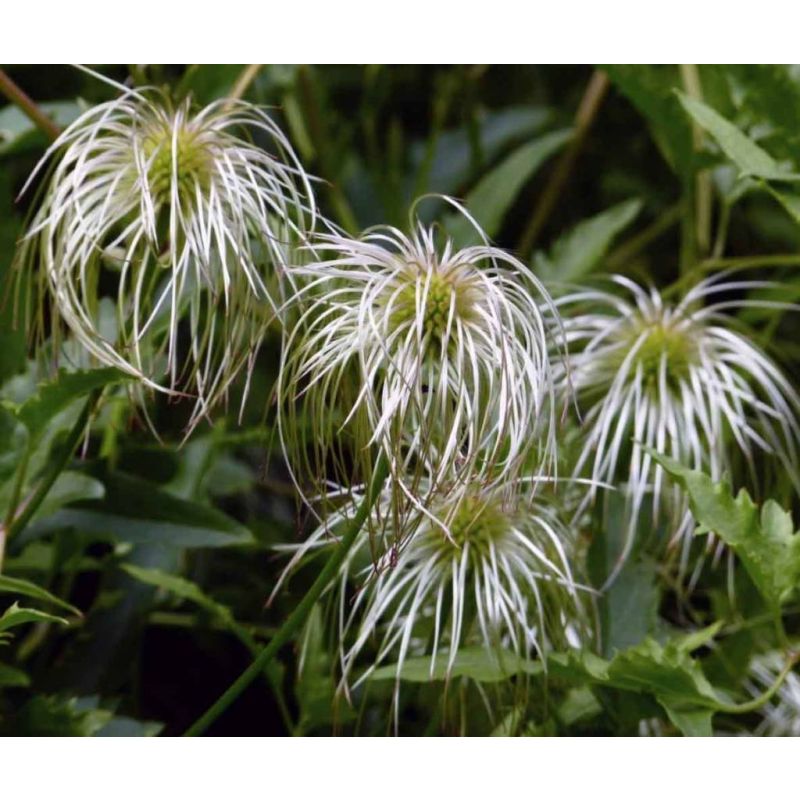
(295, 620)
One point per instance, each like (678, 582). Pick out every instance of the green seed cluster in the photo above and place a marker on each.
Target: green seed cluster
(675, 346)
(193, 164)
(477, 520)
(436, 309)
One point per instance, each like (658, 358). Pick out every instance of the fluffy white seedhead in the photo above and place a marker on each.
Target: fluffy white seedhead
(185, 222)
(780, 716)
(677, 378)
(439, 358)
(499, 576)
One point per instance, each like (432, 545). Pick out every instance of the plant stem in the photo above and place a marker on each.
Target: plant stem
(743, 262)
(303, 608)
(28, 107)
(56, 466)
(246, 77)
(584, 117)
(754, 705)
(690, 76)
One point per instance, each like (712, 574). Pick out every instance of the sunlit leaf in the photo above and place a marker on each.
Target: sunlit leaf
(766, 543)
(751, 159)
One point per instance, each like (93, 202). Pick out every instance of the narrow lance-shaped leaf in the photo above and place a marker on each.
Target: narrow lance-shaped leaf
(581, 249)
(28, 589)
(14, 615)
(493, 195)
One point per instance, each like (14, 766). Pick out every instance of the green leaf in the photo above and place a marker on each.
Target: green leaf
(316, 682)
(477, 663)
(13, 441)
(54, 716)
(127, 726)
(15, 615)
(134, 510)
(696, 722)
(37, 413)
(788, 198)
(69, 487)
(743, 151)
(492, 197)
(628, 608)
(579, 705)
(665, 671)
(499, 130)
(766, 544)
(13, 677)
(581, 249)
(28, 589)
(651, 90)
(182, 588)
(769, 94)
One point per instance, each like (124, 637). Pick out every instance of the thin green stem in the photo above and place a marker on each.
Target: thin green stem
(303, 608)
(743, 262)
(28, 107)
(748, 262)
(16, 492)
(246, 77)
(702, 198)
(56, 467)
(756, 703)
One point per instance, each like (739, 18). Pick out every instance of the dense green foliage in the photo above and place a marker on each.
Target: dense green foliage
(136, 591)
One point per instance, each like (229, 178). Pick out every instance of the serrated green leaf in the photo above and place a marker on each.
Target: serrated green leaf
(28, 589)
(766, 544)
(581, 249)
(751, 159)
(665, 671)
(52, 397)
(54, 716)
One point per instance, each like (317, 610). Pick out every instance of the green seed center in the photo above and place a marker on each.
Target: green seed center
(674, 346)
(478, 521)
(192, 164)
(432, 296)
